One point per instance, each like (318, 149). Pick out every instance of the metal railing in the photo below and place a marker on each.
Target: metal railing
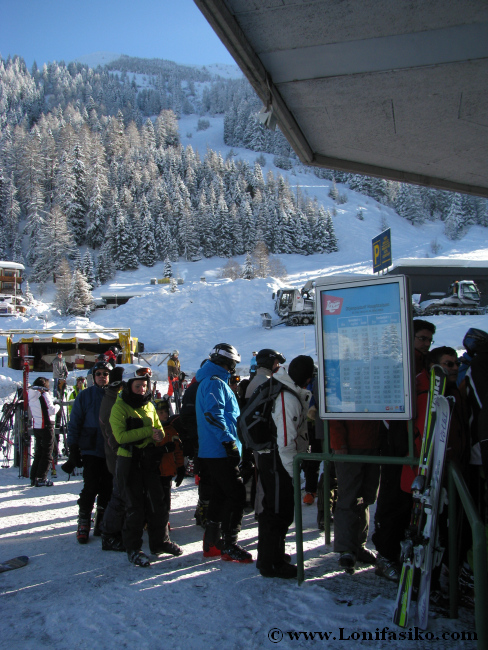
(456, 485)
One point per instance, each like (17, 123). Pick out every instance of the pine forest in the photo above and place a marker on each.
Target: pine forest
(92, 158)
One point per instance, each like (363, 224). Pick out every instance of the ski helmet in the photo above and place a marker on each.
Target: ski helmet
(139, 372)
(101, 365)
(175, 353)
(224, 354)
(265, 358)
(475, 340)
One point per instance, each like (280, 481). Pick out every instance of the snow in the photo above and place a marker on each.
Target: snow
(70, 595)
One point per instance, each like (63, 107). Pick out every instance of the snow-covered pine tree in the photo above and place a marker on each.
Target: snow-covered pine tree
(54, 244)
(62, 300)
(76, 203)
(168, 271)
(11, 211)
(28, 297)
(17, 253)
(147, 250)
(454, 224)
(334, 192)
(332, 246)
(88, 270)
(81, 298)
(96, 218)
(248, 270)
(124, 244)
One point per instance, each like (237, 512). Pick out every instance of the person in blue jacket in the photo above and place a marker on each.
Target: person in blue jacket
(219, 455)
(86, 448)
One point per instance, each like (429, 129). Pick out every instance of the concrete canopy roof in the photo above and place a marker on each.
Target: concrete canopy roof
(389, 88)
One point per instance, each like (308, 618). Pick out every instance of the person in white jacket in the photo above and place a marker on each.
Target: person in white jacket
(43, 411)
(276, 468)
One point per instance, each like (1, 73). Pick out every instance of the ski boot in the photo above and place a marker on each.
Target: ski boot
(232, 552)
(84, 523)
(211, 540)
(112, 543)
(139, 558)
(98, 521)
(201, 514)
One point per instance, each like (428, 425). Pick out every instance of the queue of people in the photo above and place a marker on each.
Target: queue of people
(132, 448)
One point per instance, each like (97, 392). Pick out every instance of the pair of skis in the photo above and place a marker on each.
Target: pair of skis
(421, 550)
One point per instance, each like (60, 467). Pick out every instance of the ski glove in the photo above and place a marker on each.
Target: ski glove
(133, 423)
(167, 448)
(180, 475)
(232, 452)
(74, 460)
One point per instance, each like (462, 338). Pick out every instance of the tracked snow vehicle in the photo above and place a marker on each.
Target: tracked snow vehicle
(463, 297)
(292, 306)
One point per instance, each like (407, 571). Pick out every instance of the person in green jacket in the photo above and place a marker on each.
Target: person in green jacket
(136, 428)
(79, 386)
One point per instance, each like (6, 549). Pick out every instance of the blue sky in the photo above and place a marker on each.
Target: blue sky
(55, 30)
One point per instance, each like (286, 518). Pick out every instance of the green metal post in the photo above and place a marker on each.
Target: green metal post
(453, 547)
(480, 565)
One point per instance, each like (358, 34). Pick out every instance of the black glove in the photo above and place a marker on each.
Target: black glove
(115, 376)
(180, 475)
(133, 423)
(74, 460)
(167, 448)
(232, 452)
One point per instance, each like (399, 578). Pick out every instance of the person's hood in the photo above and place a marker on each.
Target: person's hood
(304, 394)
(210, 369)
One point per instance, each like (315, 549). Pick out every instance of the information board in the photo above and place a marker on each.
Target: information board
(364, 346)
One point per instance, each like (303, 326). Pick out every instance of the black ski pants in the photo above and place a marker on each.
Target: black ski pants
(277, 511)
(113, 519)
(227, 494)
(43, 453)
(140, 483)
(357, 489)
(97, 484)
(278, 502)
(392, 516)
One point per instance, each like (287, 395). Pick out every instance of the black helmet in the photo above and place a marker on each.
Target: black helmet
(224, 354)
(265, 358)
(101, 365)
(475, 341)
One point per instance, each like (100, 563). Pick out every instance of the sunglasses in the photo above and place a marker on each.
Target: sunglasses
(143, 372)
(101, 374)
(451, 364)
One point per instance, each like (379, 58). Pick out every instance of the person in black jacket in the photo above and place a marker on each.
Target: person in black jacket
(86, 448)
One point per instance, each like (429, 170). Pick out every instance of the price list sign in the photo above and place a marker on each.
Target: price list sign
(364, 348)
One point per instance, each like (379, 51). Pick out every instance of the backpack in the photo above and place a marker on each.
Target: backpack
(188, 414)
(255, 425)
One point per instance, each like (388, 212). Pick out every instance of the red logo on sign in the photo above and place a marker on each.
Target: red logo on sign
(332, 305)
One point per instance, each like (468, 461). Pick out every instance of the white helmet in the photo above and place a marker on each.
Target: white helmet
(139, 372)
(175, 353)
(223, 353)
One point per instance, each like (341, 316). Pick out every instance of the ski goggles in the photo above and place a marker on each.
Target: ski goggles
(143, 372)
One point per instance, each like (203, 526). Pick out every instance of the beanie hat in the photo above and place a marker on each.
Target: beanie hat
(300, 369)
